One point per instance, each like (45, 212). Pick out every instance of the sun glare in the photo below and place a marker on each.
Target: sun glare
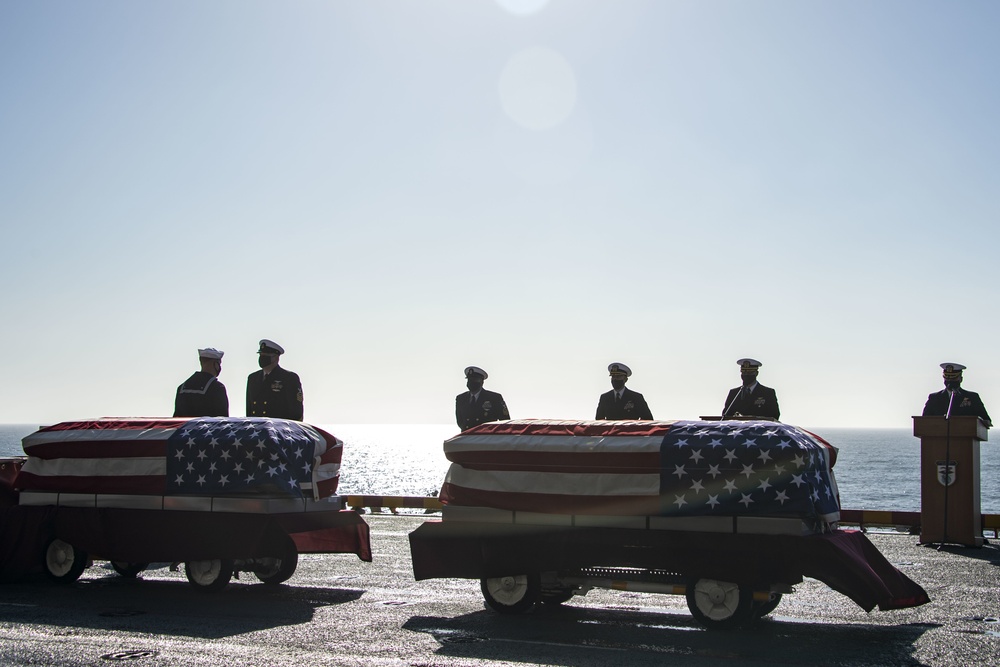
(537, 88)
(523, 7)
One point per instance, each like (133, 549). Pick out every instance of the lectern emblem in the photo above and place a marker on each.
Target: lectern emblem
(946, 473)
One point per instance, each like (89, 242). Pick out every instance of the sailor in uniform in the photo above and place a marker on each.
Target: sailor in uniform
(751, 399)
(962, 402)
(272, 391)
(621, 403)
(478, 406)
(202, 395)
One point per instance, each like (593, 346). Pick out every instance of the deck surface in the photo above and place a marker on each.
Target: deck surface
(337, 610)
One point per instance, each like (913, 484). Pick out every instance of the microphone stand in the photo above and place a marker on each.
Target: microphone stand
(732, 402)
(947, 468)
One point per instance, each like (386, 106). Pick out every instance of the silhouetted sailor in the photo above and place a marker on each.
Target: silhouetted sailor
(621, 403)
(202, 395)
(961, 402)
(478, 406)
(272, 391)
(751, 399)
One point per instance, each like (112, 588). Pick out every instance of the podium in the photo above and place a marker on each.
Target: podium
(950, 510)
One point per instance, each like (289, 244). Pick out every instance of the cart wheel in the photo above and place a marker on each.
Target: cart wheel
(719, 604)
(64, 562)
(762, 609)
(556, 596)
(512, 595)
(209, 575)
(128, 570)
(274, 571)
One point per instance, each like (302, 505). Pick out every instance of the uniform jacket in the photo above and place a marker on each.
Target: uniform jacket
(280, 396)
(763, 402)
(201, 395)
(965, 403)
(488, 408)
(631, 406)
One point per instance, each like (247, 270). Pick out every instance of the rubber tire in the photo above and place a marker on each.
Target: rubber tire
(762, 609)
(556, 597)
(209, 576)
(128, 570)
(63, 562)
(280, 568)
(719, 605)
(514, 594)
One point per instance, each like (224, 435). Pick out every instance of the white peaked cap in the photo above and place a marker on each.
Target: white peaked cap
(619, 367)
(270, 345)
(749, 363)
(210, 353)
(475, 369)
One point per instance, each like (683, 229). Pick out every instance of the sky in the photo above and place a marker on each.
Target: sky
(396, 190)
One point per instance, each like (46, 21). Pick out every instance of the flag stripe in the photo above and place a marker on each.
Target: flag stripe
(126, 484)
(556, 483)
(553, 503)
(115, 424)
(601, 429)
(635, 462)
(326, 471)
(470, 442)
(81, 449)
(98, 467)
(326, 487)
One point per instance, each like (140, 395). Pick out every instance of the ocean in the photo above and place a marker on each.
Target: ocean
(877, 469)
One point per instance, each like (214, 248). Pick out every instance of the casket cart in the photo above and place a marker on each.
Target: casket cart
(221, 495)
(731, 514)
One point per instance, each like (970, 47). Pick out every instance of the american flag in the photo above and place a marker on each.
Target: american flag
(682, 468)
(207, 456)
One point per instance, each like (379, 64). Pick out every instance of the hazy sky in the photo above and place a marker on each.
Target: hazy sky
(395, 190)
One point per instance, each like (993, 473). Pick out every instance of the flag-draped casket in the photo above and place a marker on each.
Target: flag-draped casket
(167, 489)
(751, 502)
(208, 456)
(658, 468)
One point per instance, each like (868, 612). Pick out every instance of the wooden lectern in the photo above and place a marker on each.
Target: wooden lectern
(950, 511)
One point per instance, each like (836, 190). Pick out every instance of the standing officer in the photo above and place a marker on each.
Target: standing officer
(202, 395)
(272, 391)
(621, 403)
(478, 406)
(962, 402)
(752, 399)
